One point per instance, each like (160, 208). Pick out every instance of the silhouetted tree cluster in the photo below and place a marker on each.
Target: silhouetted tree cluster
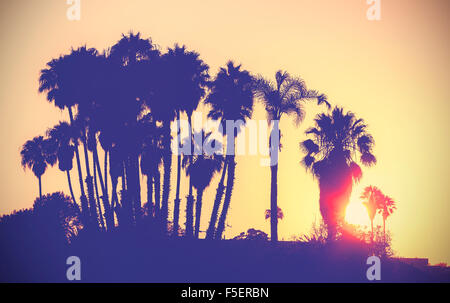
(122, 101)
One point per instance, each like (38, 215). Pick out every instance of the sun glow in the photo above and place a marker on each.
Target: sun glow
(356, 213)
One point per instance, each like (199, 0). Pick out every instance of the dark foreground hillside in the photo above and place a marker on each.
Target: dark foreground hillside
(131, 257)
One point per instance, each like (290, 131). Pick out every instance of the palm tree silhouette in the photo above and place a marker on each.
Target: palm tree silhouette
(36, 155)
(55, 80)
(62, 137)
(268, 214)
(231, 98)
(331, 157)
(372, 196)
(133, 56)
(284, 97)
(386, 208)
(151, 159)
(189, 74)
(201, 168)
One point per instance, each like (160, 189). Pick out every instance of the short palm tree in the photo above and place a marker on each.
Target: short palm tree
(281, 98)
(268, 214)
(231, 98)
(62, 137)
(201, 168)
(36, 155)
(372, 197)
(386, 208)
(337, 139)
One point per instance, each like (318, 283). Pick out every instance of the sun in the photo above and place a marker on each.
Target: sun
(356, 213)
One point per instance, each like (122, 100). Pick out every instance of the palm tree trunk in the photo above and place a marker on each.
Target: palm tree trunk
(217, 202)
(40, 187)
(127, 202)
(106, 170)
(167, 162)
(90, 184)
(70, 186)
(190, 197)
(273, 204)
(190, 213)
(226, 203)
(137, 201)
(176, 206)
(100, 214)
(384, 231)
(157, 180)
(150, 194)
(198, 212)
(274, 185)
(84, 206)
(371, 237)
(114, 197)
(108, 212)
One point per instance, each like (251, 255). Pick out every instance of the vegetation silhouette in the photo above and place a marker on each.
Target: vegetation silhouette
(283, 97)
(121, 104)
(330, 156)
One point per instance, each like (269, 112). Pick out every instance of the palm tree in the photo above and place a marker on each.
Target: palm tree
(36, 155)
(56, 81)
(134, 57)
(372, 196)
(62, 137)
(268, 214)
(231, 98)
(331, 156)
(283, 97)
(151, 159)
(189, 74)
(386, 208)
(201, 168)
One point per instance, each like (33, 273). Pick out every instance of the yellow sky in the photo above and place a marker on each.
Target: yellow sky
(394, 73)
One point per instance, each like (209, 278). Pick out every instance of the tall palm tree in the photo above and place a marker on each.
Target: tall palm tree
(62, 137)
(337, 139)
(36, 154)
(371, 196)
(231, 98)
(134, 55)
(201, 168)
(189, 74)
(386, 208)
(281, 98)
(151, 159)
(55, 80)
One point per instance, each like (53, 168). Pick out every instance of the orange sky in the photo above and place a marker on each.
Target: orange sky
(394, 73)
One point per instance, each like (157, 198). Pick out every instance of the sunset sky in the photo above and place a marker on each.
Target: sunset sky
(393, 73)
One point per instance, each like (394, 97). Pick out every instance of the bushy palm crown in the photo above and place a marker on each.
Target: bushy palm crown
(152, 149)
(231, 95)
(189, 75)
(61, 138)
(338, 136)
(371, 196)
(285, 96)
(36, 154)
(70, 79)
(202, 166)
(386, 206)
